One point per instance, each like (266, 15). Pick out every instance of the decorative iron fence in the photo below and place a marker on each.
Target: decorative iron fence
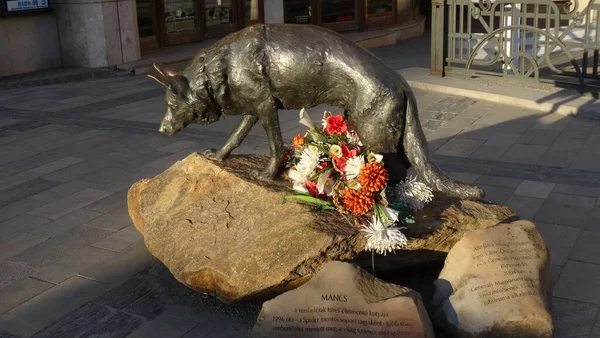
(524, 39)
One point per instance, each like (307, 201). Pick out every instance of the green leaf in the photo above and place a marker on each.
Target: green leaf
(316, 135)
(309, 199)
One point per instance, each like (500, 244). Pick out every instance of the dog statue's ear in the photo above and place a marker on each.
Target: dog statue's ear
(164, 70)
(176, 83)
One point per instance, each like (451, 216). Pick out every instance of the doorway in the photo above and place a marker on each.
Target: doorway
(171, 22)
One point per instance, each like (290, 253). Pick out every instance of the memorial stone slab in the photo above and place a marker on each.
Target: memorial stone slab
(342, 300)
(496, 282)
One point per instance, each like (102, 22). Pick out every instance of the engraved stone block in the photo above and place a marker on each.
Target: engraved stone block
(496, 282)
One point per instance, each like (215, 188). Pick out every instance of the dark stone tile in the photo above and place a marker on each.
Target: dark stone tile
(565, 209)
(61, 245)
(572, 318)
(133, 289)
(25, 190)
(93, 320)
(464, 165)
(521, 171)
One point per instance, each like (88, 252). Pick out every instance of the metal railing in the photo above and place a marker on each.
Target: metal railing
(524, 39)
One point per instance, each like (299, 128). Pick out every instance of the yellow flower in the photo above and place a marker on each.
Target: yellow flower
(336, 150)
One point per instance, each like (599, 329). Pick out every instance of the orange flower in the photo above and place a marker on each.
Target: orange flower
(298, 141)
(373, 177)
(358, 201)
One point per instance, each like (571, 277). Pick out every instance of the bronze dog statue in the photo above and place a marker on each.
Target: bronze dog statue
(263, 68)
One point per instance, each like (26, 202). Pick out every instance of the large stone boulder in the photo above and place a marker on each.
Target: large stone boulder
(496, 282)
(342, 300)
(221, 232)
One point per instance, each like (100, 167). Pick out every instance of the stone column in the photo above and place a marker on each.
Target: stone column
(97, 33)
(273, 11)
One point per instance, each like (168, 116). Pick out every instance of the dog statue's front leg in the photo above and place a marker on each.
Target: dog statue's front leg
(270, 123)
(235, 139)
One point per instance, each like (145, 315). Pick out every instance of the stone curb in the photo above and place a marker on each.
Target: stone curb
(577, 107)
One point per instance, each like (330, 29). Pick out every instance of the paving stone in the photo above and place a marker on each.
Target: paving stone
(558, 158)
(115, 271)
(118, 178)
(591, 143)
(568, 143)
(65, 223)
(9, 153)
(131, 290)
(499, 181)
(50, 306)
(464, 177)
(539, 137)
(18, 225)
(459, 147)
(486, 152)
(524, 153)
(71, 264)
(21, 291)
(578, 127)
(571, 318)
(164, 327)
(18, 244)
(474, 112)
(114, 220)
(460, 122)
(577, 190)
(218, 327)
(587, 249)
(60, 191)
(565, 209)
(559, 239)
(120, 240)
(57, 165)
(31, 133)
(580, 282)
(18, 178)
(59, 246)
(68, 204)
(593, 221)
(477, 131)
(552, 122)
(178, 146)
(497, 195)
(525, 207)
(556, 271)
(93, 320)
(168, 161)
(109, 203)
(77, 170)
(503, 138)
(41, 142)
(535, 189)
(25, 190)
(586, 160)
(12, 271)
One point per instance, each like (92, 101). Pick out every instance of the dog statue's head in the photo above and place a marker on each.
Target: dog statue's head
(184, 105)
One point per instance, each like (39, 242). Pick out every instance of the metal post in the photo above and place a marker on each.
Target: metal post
(438, 26)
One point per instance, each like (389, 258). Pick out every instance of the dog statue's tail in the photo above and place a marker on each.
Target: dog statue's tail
(417, 151)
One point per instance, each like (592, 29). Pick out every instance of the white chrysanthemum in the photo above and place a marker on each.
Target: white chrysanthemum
(414, 193)
(309, 160)
(353, 166)
(374, 158)
(383, 239)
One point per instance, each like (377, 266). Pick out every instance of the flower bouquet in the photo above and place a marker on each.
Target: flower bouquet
(332, 170)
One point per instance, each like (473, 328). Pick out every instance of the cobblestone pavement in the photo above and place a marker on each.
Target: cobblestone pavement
(72, 264)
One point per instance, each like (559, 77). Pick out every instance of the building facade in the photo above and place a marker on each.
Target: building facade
(39, 34)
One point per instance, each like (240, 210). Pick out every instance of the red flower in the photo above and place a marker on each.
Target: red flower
(321, 167)
(311, 186)
(340, 162)
(336, 125)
